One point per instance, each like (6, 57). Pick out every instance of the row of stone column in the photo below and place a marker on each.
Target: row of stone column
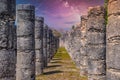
(25, 49)
(89, 53)
(97, 52)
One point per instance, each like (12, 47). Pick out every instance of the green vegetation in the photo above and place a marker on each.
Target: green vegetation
(62, 53)
(106, 11)
(56, 33)
(61, 68)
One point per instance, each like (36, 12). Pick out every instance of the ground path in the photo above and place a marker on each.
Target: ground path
(61, 67)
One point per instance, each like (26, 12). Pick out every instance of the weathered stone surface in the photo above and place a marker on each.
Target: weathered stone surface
(27, 62)
(7, 52)
(113, 40)
(7, 64)
(83, 71)
(83, 60)
(113, 74)
(39, 62)
(76, 57)
(96, 43)
(25, 42)
(113, 56)
(52, 45)
(26, 19)
(96, 51)
(48, 45)
(45, 28)
(39, 44)
(113, 7)
(39, 27)
(83, 48)
(7, 7)
(96, 77)
(96, 67)
(113, 29)
(74, 45)
(96, 38)
(4, 29)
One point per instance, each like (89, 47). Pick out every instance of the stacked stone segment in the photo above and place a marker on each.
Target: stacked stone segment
(96, 43)
(25, 69)
(45, 29)
(113, 40)
(7, 50)
(83, 52)
(39, 23)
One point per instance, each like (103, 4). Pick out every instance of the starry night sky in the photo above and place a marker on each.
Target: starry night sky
(61, 14)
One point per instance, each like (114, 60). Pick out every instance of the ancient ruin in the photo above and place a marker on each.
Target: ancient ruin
(39, 22)
(96, 41)
(45, 29)
(113, 40)
(25, 69)
(83, 49)
(7, 32)
(28, 45)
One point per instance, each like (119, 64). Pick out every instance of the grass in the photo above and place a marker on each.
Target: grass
(61, 67)
(62, 53)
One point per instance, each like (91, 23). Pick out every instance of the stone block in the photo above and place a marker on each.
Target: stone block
(96, 52)
(96, 67)
(25, 43)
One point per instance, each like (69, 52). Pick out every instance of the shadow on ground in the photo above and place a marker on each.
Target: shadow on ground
(51, 66)
(61, 67)
(52, 72)
(56, 59)
(55, 62)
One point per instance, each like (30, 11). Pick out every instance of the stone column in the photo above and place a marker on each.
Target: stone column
(55, 47)
(84, 57)
(58, 41)
(113, 41)
(45, 44)
(76, 46)
(96, 44)
(25, 42)
(7, 54)
(48, 45)
(15, 41)
(52, 45)
(39, 22)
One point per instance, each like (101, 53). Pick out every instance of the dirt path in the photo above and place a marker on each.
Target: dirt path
(61, 67)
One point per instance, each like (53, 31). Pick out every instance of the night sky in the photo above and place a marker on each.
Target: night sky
(61, 14)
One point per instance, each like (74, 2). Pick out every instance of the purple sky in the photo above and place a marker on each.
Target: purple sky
(62, 14)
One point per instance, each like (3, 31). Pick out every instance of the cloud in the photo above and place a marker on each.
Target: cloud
(61, 13)
(81, 6)
(59, 17)
(71, 22)
(66, 4)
